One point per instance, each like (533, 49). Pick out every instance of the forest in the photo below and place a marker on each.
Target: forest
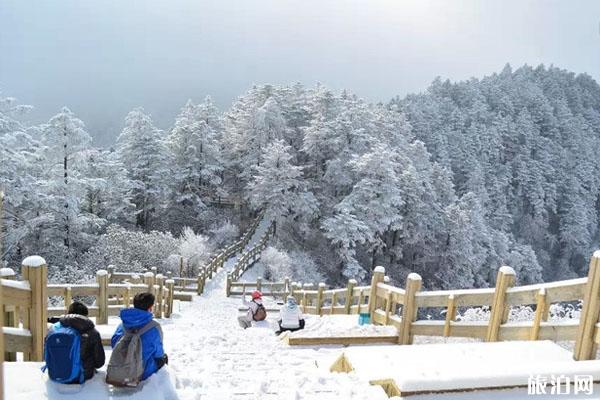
(450, 183)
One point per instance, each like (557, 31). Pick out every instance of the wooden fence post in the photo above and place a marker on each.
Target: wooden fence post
(259, 283)
(409, 308)
(159, 305)
(68, 298)
(539, 314)
(181, 267)
(378, 276)
(286, 288)
(35, 270)
(319, 304)
(149, 281)
(171, 288)
(200, 282)
(450, 314)
(111, 272)
(504, 280)
(350, 295)
(9, 312)
(127, 297)
(585, 346)
(228, 285)
(102, 299)
(1, 329)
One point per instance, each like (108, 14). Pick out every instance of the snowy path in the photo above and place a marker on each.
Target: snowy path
(211, 357)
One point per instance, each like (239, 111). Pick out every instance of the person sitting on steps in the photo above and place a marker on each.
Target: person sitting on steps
(290, 316)
(91, 352)
(136, 318)
(256, 310)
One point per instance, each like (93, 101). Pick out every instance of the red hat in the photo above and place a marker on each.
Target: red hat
(256, 295)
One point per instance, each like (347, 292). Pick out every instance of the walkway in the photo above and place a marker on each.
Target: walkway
(213, 358)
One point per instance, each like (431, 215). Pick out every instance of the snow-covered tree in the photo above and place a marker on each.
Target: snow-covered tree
(278, 187)
(143, 153)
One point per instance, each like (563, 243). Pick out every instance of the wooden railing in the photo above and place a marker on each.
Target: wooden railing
(25, 303)
(247, 259)
(399, 307)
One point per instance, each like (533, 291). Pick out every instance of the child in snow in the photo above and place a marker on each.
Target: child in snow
(256, 310)
(290, 316)
(91, 350)
(140, 315)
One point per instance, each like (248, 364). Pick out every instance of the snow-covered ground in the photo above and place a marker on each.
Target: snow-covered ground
(211, 357)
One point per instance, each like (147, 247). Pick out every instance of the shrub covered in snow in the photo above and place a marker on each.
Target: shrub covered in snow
(194, 249)
(130, 250)
(223, 234)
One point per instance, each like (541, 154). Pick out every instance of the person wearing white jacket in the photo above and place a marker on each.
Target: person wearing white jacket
(290, 316)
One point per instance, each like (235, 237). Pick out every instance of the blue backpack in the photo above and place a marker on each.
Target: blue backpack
(62, 355)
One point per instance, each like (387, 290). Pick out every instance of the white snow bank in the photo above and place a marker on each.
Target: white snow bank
(16, 331)
(34, 261)
(6, 272)
(341, 325)
(16, 284)
(25, 381)
(466, 365)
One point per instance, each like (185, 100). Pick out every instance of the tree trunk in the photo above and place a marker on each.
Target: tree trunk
(66, 178)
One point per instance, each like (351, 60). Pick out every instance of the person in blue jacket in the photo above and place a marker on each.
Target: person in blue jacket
(152, 342)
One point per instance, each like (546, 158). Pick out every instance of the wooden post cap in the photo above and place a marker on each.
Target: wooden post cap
(34, 261)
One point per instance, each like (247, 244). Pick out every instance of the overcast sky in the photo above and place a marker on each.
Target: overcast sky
(103, 58)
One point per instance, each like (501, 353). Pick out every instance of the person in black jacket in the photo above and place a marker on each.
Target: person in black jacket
(92, 352)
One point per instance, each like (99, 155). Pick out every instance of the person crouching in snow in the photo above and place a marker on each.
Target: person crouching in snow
(290, 316)
(256, 310)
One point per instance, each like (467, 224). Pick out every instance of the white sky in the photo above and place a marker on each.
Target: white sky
(102, 58)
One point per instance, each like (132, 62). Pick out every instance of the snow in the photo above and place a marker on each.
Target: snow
(34, 261)
(6, 272)
(101, 272)
(341, 325)
(413, 277)
(380, 269)
(16, 284)
(27, 382)
(466, 365)
(507, 270)
(16, 331)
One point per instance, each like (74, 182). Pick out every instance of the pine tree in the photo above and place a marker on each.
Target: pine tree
(142, 152)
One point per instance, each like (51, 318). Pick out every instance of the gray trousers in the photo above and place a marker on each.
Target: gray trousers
(244, 322)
